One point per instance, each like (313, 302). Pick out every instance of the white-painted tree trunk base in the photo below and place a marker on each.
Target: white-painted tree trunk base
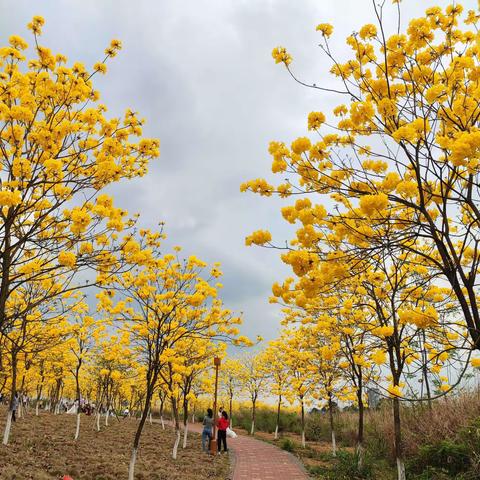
(185, 434)
(401, 475)
(8, 427)
(98, 421)
(303, 438)
(150, 418)
(334, 445)
(252, 429)
(131, 467)
(276, 432)
(77, 431)
(106, 417)
(36, 409)
(162, 422)
(193, 418)
(175, 445)
(360, 455)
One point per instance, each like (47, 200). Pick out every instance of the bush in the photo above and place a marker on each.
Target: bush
(432, 474)
(344, 467)
(317, 428)
(287, 445)
(446, 456)
(266, 420)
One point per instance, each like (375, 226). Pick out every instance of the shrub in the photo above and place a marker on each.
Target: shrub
(287, 445)
(266, 420)
(317, 427)
(446, 455)
(344, 467)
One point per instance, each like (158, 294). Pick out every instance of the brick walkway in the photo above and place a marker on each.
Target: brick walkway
(257, 460)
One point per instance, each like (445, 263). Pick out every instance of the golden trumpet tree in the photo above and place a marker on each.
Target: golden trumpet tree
(31, 332)
(58, 150)
(84, 335)
(253, 378)
(194, 357)
(401, 149)
(230, 382)
(164, 300)
(111, 368)
(301, 377)
(275, 362)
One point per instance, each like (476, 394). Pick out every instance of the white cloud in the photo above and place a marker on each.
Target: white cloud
(201, 73)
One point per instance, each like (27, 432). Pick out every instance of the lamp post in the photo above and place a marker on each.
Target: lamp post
(213, 443)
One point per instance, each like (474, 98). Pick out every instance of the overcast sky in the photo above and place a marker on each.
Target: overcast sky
(201, 73)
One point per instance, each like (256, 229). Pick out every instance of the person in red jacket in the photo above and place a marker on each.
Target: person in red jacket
(222, 425)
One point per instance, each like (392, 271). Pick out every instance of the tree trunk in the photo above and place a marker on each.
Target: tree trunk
(230, 410)
(77, 384)
(8, 425)
(185, 422)
(278, 416)
(252, 429)
(398, 440)
(303, 424)
(162, 401)
(131, 467)
(138, 433)
(77, 430)
(55, 399)
(332, 425)
(39, 394)
(177, 428)
(360, 450)
(22, 409)
(185, 433)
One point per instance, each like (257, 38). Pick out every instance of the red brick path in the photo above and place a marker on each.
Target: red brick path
(257, 460)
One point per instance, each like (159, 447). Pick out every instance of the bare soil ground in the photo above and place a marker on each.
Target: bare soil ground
(42, 448)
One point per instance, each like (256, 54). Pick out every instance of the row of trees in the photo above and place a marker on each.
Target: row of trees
(157, 317)
(385, 258)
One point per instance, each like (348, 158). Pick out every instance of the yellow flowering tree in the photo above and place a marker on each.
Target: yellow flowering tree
(32, 332)
(398, 162)
(275, 362)
(163, 301)
(301, 377)
(230, 382)
(58, 150)
(402, 149)
(111, 367)
(84, 335)
(253, 378)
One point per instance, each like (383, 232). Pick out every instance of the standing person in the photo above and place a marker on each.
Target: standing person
(15, 406)
(207, 430)
(220, 411)
(222, 425)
